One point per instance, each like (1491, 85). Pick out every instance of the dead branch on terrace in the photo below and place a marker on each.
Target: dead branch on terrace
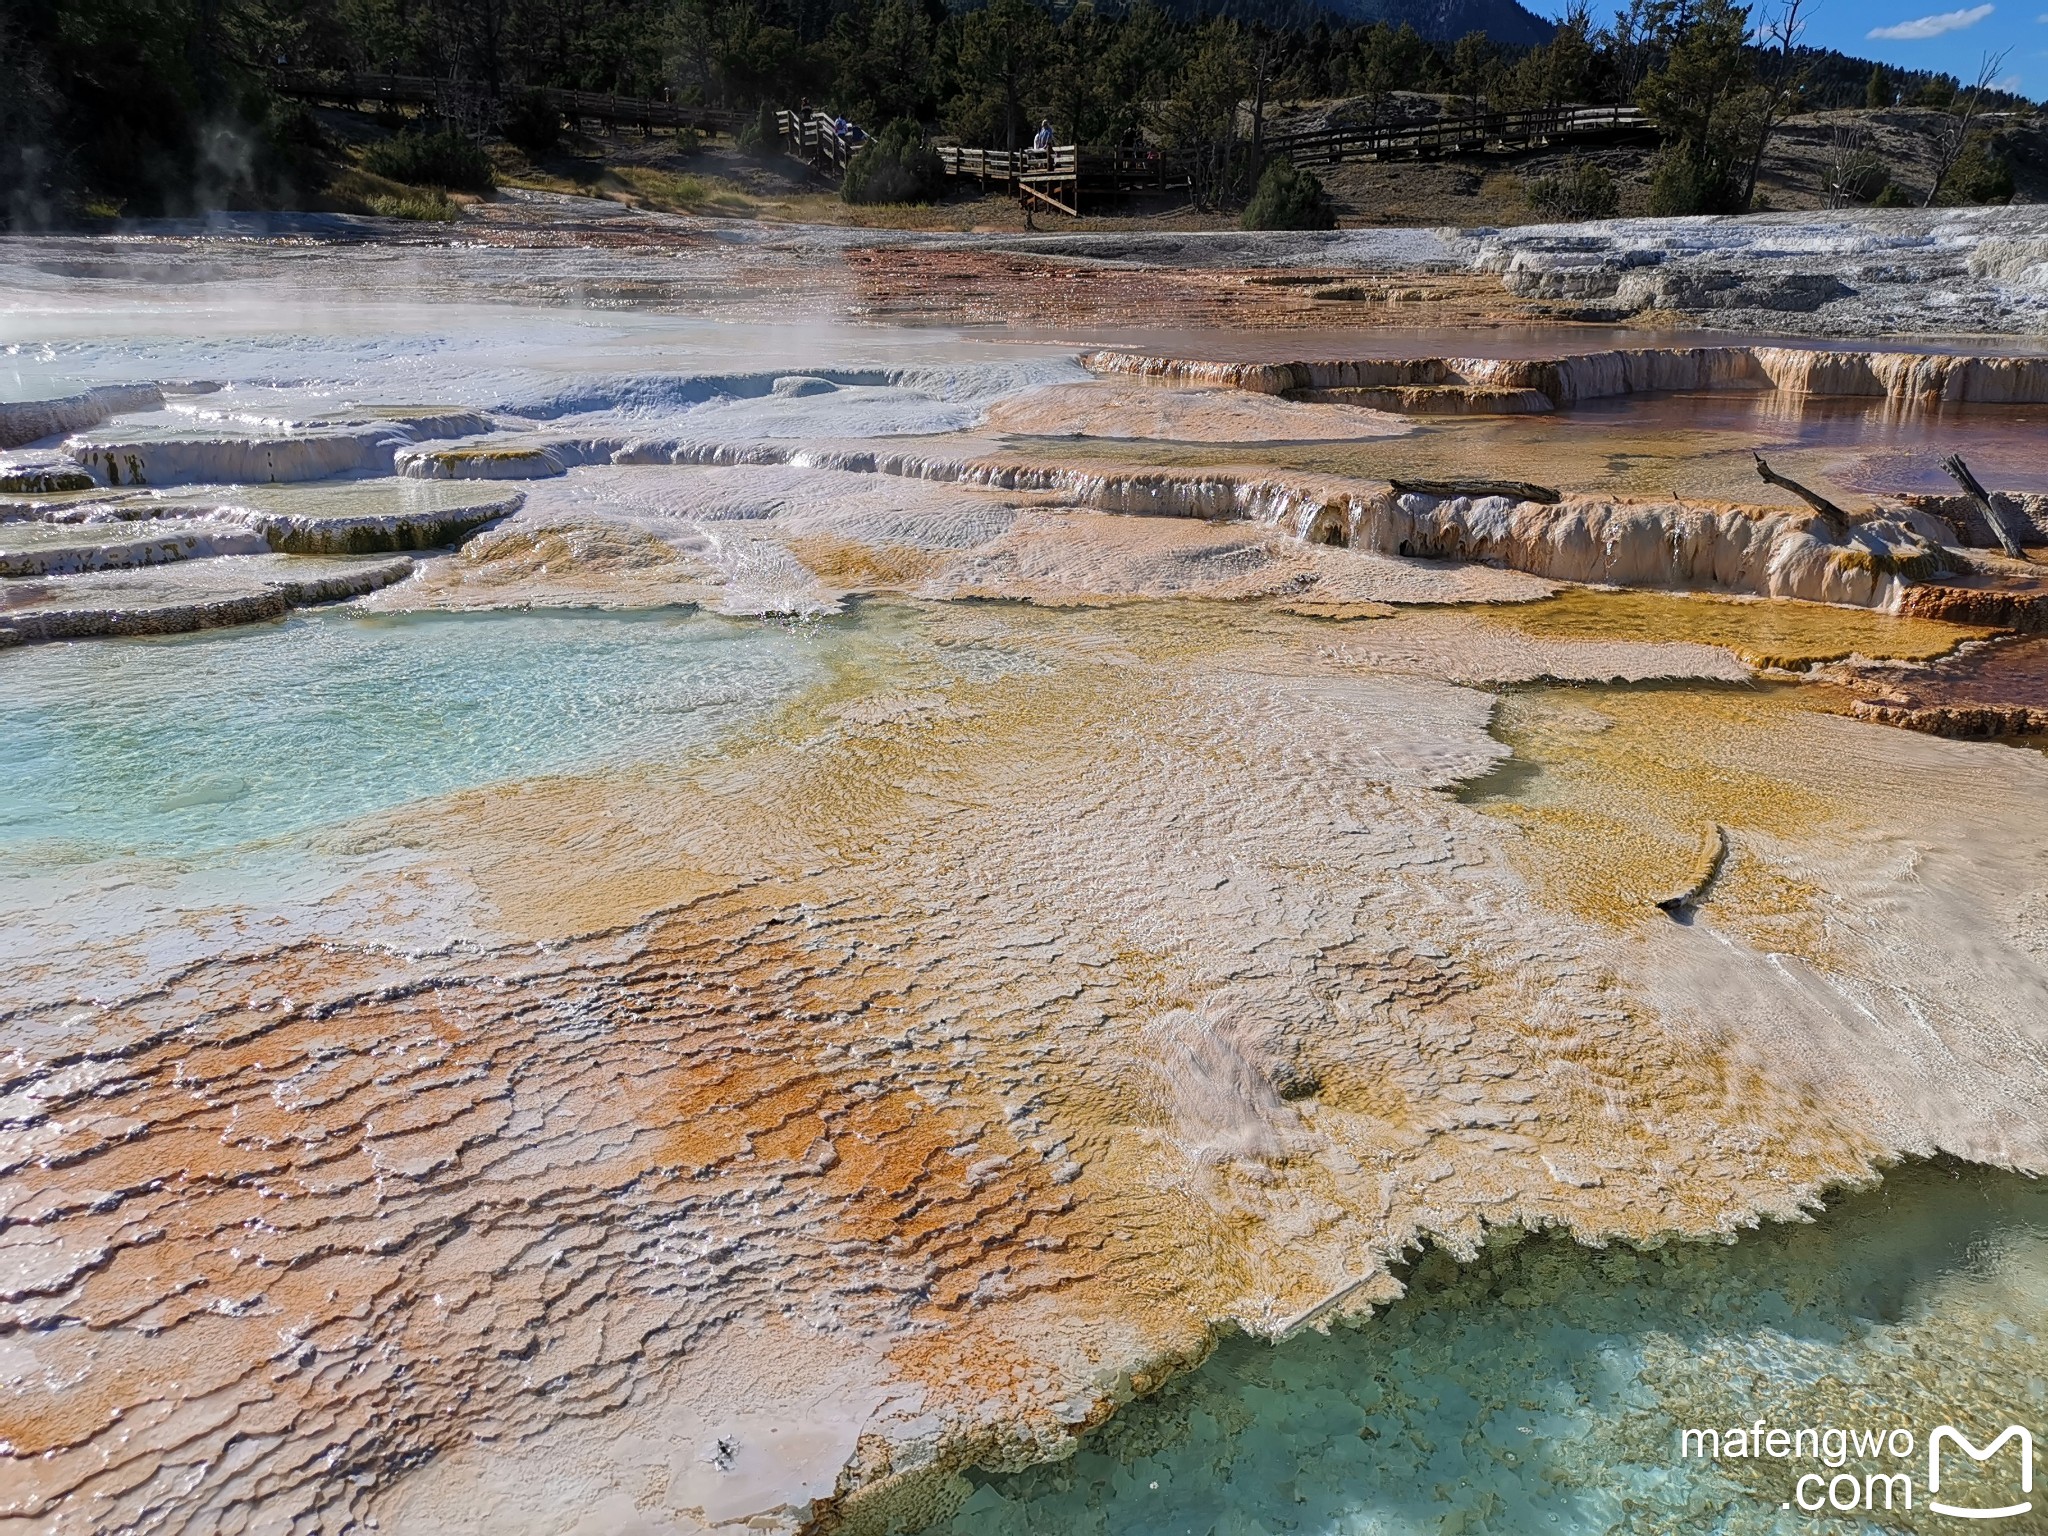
(1713, 857)
(1960, 473)
(1834, 516)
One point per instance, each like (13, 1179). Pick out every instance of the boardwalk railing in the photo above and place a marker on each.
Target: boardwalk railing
(1009, 164)
(817, 141)
(1458, 134)
(352, 89)
(1060, 176)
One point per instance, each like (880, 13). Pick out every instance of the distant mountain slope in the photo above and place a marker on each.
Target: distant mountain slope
(1446, 21)
(1440, 21)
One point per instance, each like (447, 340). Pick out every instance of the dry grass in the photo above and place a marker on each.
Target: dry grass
(426, 206)
(359, 191)
(680, 192)
(636, 186)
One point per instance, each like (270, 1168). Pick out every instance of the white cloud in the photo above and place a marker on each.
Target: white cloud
(1933, 26)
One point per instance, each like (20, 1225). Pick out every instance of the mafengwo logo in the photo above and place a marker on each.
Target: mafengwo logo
(1949, 1435)
(1871, 1467)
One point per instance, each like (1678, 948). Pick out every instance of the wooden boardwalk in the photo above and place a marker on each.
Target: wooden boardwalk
(355, 90)
(816, 140)
(1481, 133)
(1062, 177)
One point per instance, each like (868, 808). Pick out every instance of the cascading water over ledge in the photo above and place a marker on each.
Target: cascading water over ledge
(1733, 549)
(1911, 379)
(313, 451)
(29, 421)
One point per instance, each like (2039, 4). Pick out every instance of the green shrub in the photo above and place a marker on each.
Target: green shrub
(532, 123)
(292, 123)
(1980, 175)
(759, 135)
(1584, 189)
(895, 166)
(1679, 184)
(1893, 196)
(1288, 197)
(446, 160)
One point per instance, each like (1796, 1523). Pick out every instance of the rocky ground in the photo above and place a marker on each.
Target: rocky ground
(1854, 273)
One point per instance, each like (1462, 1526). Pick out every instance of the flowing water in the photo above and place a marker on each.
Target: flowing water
(884, 926)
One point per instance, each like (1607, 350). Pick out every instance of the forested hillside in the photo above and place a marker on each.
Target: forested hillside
(137, 107)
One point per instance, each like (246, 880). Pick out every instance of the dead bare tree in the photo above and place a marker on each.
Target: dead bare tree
(1776, 35)
(1850, 166)
(1955, 133)
(1265, 61)
(1637, 40)
(468, 107)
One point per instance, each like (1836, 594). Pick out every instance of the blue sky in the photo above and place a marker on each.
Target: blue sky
(1950, 35)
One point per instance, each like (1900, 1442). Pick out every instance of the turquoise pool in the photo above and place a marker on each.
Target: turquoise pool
(1546, 1386)
(190, 745)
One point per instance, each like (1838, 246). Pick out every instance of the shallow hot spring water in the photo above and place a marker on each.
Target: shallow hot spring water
(1546, 1386)
(1071, 1022)
(1538, 1386)
(195, 744)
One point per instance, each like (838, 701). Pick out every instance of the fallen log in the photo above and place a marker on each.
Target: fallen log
(1835, 517)
(1959, 472)
(1509, 490)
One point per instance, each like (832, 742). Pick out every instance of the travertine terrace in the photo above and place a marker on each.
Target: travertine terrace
(709, 914)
